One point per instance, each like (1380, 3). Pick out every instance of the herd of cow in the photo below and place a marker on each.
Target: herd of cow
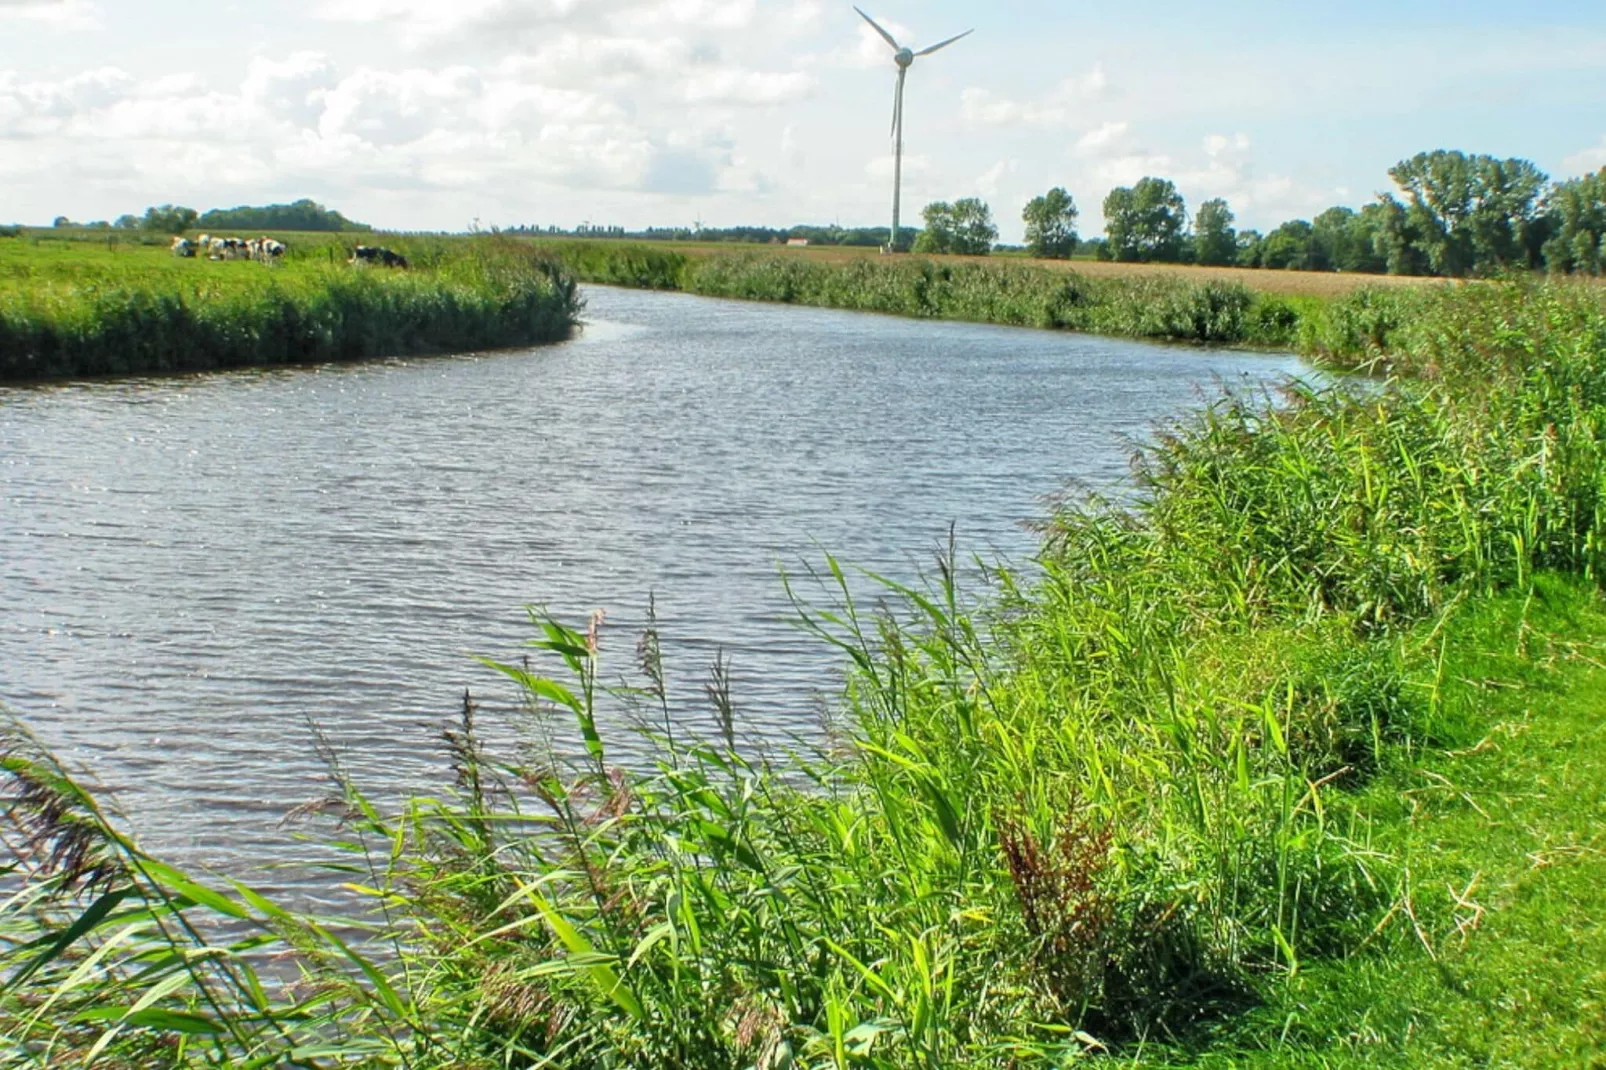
(266, 250)
(269, 251)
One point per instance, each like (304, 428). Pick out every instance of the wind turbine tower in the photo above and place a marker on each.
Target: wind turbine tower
(904, 57)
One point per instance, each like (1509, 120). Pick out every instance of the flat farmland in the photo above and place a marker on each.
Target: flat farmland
(1286, 283)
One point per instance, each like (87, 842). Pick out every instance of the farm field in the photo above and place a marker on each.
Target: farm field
(96, 304)
(1285, 283)
(1322, 284)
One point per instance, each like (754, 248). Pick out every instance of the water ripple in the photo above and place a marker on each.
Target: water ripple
(192, 568)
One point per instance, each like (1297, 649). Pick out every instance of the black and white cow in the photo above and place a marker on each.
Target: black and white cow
(374, 254)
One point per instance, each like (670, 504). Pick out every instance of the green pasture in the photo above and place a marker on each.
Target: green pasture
(94, 303)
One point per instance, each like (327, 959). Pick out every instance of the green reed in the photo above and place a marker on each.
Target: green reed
(70, 309)
(1110, 801)
(1171, 308)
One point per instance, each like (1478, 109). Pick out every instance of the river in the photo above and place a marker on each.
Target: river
(192, 569)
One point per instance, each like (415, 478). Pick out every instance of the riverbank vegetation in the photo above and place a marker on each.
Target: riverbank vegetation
(1344, 320)
(105, 306)
(1292, 760)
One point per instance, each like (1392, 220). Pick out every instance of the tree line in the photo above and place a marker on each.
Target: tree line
(302, 215)
(1454, 214)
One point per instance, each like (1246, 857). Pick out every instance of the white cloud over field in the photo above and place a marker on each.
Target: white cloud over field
(50, 14)
(429, 113)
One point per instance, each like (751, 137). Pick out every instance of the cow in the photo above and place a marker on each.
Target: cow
(183, 247)
(270, 251)
(374, 254)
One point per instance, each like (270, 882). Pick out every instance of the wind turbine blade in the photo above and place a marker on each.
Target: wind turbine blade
(897, 106)
(885, 36)
(943, 44)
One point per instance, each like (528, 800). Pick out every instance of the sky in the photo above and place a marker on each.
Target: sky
(444, 114)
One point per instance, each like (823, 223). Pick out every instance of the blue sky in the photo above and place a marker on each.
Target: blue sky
(431, 114)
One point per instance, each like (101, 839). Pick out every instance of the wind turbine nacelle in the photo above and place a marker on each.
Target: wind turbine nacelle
(904, 57)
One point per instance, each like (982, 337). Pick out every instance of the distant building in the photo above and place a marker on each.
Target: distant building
(797, 241)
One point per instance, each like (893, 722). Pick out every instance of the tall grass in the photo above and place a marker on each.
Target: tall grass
(81, 313)
(1109, 803)
(1169, 307)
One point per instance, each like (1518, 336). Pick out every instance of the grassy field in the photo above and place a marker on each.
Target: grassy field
(98, 304)
(1494, 953)
(1285, 283)
(1295, 761)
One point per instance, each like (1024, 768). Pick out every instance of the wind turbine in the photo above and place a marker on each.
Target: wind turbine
(904, 58)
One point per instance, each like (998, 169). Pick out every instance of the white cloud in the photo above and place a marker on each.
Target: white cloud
(1063, 106)
(990, 182)
(397, 107)
(626, 110)
(869, 51)
(1101, 138)
(38, 108)
(599, 60)
(704, 14)
(732, 86)
(1111, 155)
(1586, 160)
(421, 23)
(1222, 147)
(303, 123)
(295, 89)
(913, 167)
(54, 14)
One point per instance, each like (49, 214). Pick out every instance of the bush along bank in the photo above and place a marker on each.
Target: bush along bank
(1159, 307)
(150, 313)
(1129, 798)
(1377, 329)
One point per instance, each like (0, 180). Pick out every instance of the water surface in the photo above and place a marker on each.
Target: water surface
(191, 569)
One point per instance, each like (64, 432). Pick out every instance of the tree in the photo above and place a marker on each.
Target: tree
(964, 227)
(1249, 242)
(1214, 239)
(169, 219)
(309, 215)
(1369, 225)
(1469, 213)
(1399, 239)
(1051, 225)
(1145, 222)
(937, 236)
(1575, 212)
(127, 222)
(1290, 247)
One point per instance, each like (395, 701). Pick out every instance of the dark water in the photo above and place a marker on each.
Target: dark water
(190, 569)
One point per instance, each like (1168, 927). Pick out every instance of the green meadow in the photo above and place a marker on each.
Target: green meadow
(88, 305)
(1295, 759)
